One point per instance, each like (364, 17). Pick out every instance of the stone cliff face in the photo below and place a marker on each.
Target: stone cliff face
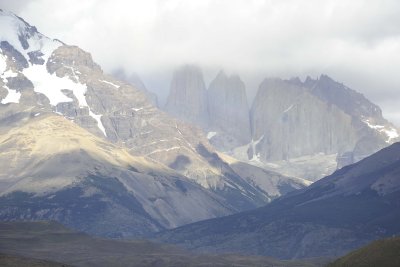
(188, 96)
(348, 100)
(136, 82)
(228, 110)
(289, 122)
(301, 127)
(293, 119)
(222, 111)
(373, 131)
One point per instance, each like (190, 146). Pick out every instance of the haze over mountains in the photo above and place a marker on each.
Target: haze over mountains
(118, 142)
(304, 129)
(310, 168)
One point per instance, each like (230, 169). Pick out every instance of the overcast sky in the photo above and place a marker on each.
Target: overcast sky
(356, 42)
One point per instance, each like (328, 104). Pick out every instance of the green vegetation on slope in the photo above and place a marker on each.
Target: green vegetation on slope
(380, 253)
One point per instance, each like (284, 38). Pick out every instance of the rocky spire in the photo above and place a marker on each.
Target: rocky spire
(228, 107)
(187, 99)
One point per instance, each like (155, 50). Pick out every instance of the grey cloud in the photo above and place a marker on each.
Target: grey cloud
(356, 42)
(14, 6)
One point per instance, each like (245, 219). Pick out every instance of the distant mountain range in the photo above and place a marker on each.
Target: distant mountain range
(353, 206)
(210, 173)
(305, 129)
(96, 154)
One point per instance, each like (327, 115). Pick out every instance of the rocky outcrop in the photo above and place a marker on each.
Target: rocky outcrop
(51, 169)
(373, 131)
(187, 99)
(293, 121)
(136, 82)
(228, 111)
(348, 100)
(289, 122)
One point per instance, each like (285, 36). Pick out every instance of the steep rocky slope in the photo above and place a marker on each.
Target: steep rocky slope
(292, 121)
(339, 213)
(289, 122)
(41, 76)
(53, 169)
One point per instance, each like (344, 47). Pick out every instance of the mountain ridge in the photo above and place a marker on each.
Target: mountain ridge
(353, 206)
(42, 78)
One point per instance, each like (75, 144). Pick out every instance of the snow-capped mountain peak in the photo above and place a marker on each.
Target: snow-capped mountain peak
(34, 46)
(32, 50)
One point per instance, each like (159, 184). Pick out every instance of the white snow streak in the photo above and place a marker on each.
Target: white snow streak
(98, 119)
(253, 144)
(391, 132)
(211, 135)
(289, 108)
(163, 150)
(110, 83)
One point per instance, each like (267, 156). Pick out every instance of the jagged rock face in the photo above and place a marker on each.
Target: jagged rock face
(350, 101)
(188, 96)
(373, 131)
(228, 109)
(289, 122)
(305, 129)
(136, 82)
(293, 121)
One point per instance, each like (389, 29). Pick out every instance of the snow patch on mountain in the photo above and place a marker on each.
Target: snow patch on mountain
(211, 135)
(110, 83)
(391, 132)
(12, 96)
(49, 84)
(242, 152)
(253, 144)
(12, 28)
(98, 119)
(3, 63)
(289, 108)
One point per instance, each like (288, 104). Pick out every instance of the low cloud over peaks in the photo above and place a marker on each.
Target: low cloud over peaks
(356, 42)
